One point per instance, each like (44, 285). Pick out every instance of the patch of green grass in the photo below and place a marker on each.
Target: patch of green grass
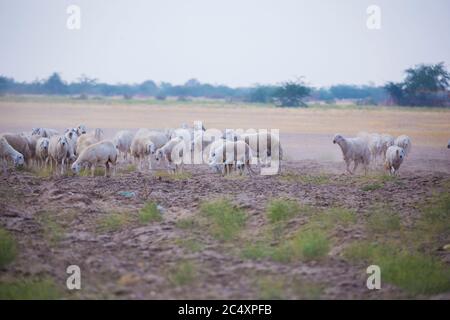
(187, 223)
(306, 245)
(372, 187)
(129, 168)
(185, 175)
(226, 219)
(98, 171)
(182, 273)
(8, 250)
(112, 222)
(150, 213)
(256, 251)
(332, 217)
(383, 220)
(281, 210)
(414, 272)
(53, 230)
(436, 215)
(29, 289)
(271, 288)
(192, 245)
(319, 179)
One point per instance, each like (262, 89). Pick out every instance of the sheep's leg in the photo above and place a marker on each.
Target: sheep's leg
(106, 169)
(5, 168)
(355, 167)
(347, 162)
(63, 164)
(92, 170)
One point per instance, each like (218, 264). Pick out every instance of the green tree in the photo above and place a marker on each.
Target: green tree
(291, 94)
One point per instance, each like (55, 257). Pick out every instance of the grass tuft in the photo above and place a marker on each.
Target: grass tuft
(8, 250)
(412, 271)
(281, 210)
(226, 219)
(112, 222)
(183, 273)
(150, 213)
(383, 220)
(26, 289)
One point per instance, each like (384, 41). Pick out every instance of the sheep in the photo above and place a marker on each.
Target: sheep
(20, 144)
(386, 141)
(263, 150)
(145, 143)
(172, 151)
(87, 139)
(42, 151)
(394, 158)
(354, 150)
(8, 152)
(44, 132)
(81, 129)
(31, 140)
(404, 142)
(59, 151)
(100, 153)
(229, 154)
(122, 140)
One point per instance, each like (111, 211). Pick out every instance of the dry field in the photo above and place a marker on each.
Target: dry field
(307, 233)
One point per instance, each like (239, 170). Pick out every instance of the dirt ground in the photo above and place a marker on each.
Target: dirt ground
(134, 261)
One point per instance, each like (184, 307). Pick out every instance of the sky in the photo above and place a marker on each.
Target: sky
(231, 42)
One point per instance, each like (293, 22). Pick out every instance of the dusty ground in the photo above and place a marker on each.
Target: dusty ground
(55, 220)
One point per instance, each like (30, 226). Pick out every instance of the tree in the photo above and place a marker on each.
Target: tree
(423, 85)
(291, 93)
(262, 94)
(54, 85)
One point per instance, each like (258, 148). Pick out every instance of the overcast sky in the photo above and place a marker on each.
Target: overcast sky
(233, 42)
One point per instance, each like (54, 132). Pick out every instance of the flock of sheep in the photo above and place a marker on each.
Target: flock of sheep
(370, 148)
(229, 150)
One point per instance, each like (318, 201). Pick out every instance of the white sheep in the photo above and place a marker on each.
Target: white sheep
(354, 150)
(59, 152)
(386, 141)
(404, 142)
(42, 151)
(394, 158)
(8, 152)
(172, 153)
(145, 143)
(262, 143)
(229, 154)
(122, 140)
(102, 153)
(81, 129)
(87, 139)
(19, 143)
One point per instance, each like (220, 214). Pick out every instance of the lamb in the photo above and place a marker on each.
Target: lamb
(31, 140)
(44, 132)
(100, 153)
(231, 153)
(42, 151)
(59, 151)
(172, 152)
(87, 139)
(403, 142)
(8, 152)
(394, 158)
(122, 140)
(19, 143)
(354, 150)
